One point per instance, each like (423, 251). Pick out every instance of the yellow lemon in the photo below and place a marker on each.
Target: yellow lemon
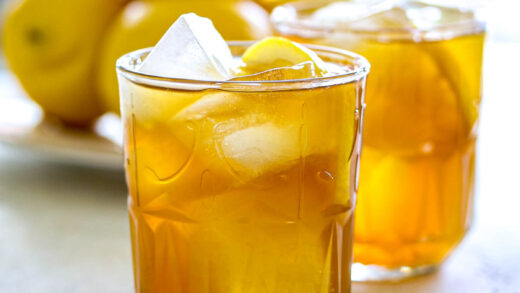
(277, 52)
(51, 45)
(142, 23)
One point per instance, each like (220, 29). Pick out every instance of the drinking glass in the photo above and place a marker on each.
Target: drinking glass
(418, 164)
(242, 186)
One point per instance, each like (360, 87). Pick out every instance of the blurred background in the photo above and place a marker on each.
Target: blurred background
(84, 53)
(63, 222)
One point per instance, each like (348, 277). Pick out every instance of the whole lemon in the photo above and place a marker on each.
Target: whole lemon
(142, 23)
(51, 45)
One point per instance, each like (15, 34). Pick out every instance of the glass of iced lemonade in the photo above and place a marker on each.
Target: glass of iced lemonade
(241, 162)
(418, 164)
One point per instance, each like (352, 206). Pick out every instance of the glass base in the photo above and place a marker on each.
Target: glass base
(374, 273)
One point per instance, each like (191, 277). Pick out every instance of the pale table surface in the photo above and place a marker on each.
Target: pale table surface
(65, 228)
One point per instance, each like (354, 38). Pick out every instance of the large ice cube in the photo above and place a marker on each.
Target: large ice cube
(259, 149)
(191, 49)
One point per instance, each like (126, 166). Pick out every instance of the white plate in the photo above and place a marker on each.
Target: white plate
(23, 127)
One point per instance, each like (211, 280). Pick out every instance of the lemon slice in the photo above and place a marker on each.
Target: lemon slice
(277, 52)
(462, 68)
(300, 71)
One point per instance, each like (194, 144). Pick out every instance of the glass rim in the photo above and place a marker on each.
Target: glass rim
(360, 70)
(295, 24)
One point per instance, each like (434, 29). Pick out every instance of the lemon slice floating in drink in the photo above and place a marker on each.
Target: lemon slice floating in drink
(462, 70)
(277, 52)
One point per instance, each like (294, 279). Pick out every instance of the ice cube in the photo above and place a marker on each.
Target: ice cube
(426, 16)
(211, 105)
(299, 71)
(259, 149)
(345, 12)
(191, 49)
(385, 14)
(394, 18)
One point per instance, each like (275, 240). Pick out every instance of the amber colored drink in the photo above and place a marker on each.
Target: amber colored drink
(418, 166)
(418, 163)
(244, 187)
